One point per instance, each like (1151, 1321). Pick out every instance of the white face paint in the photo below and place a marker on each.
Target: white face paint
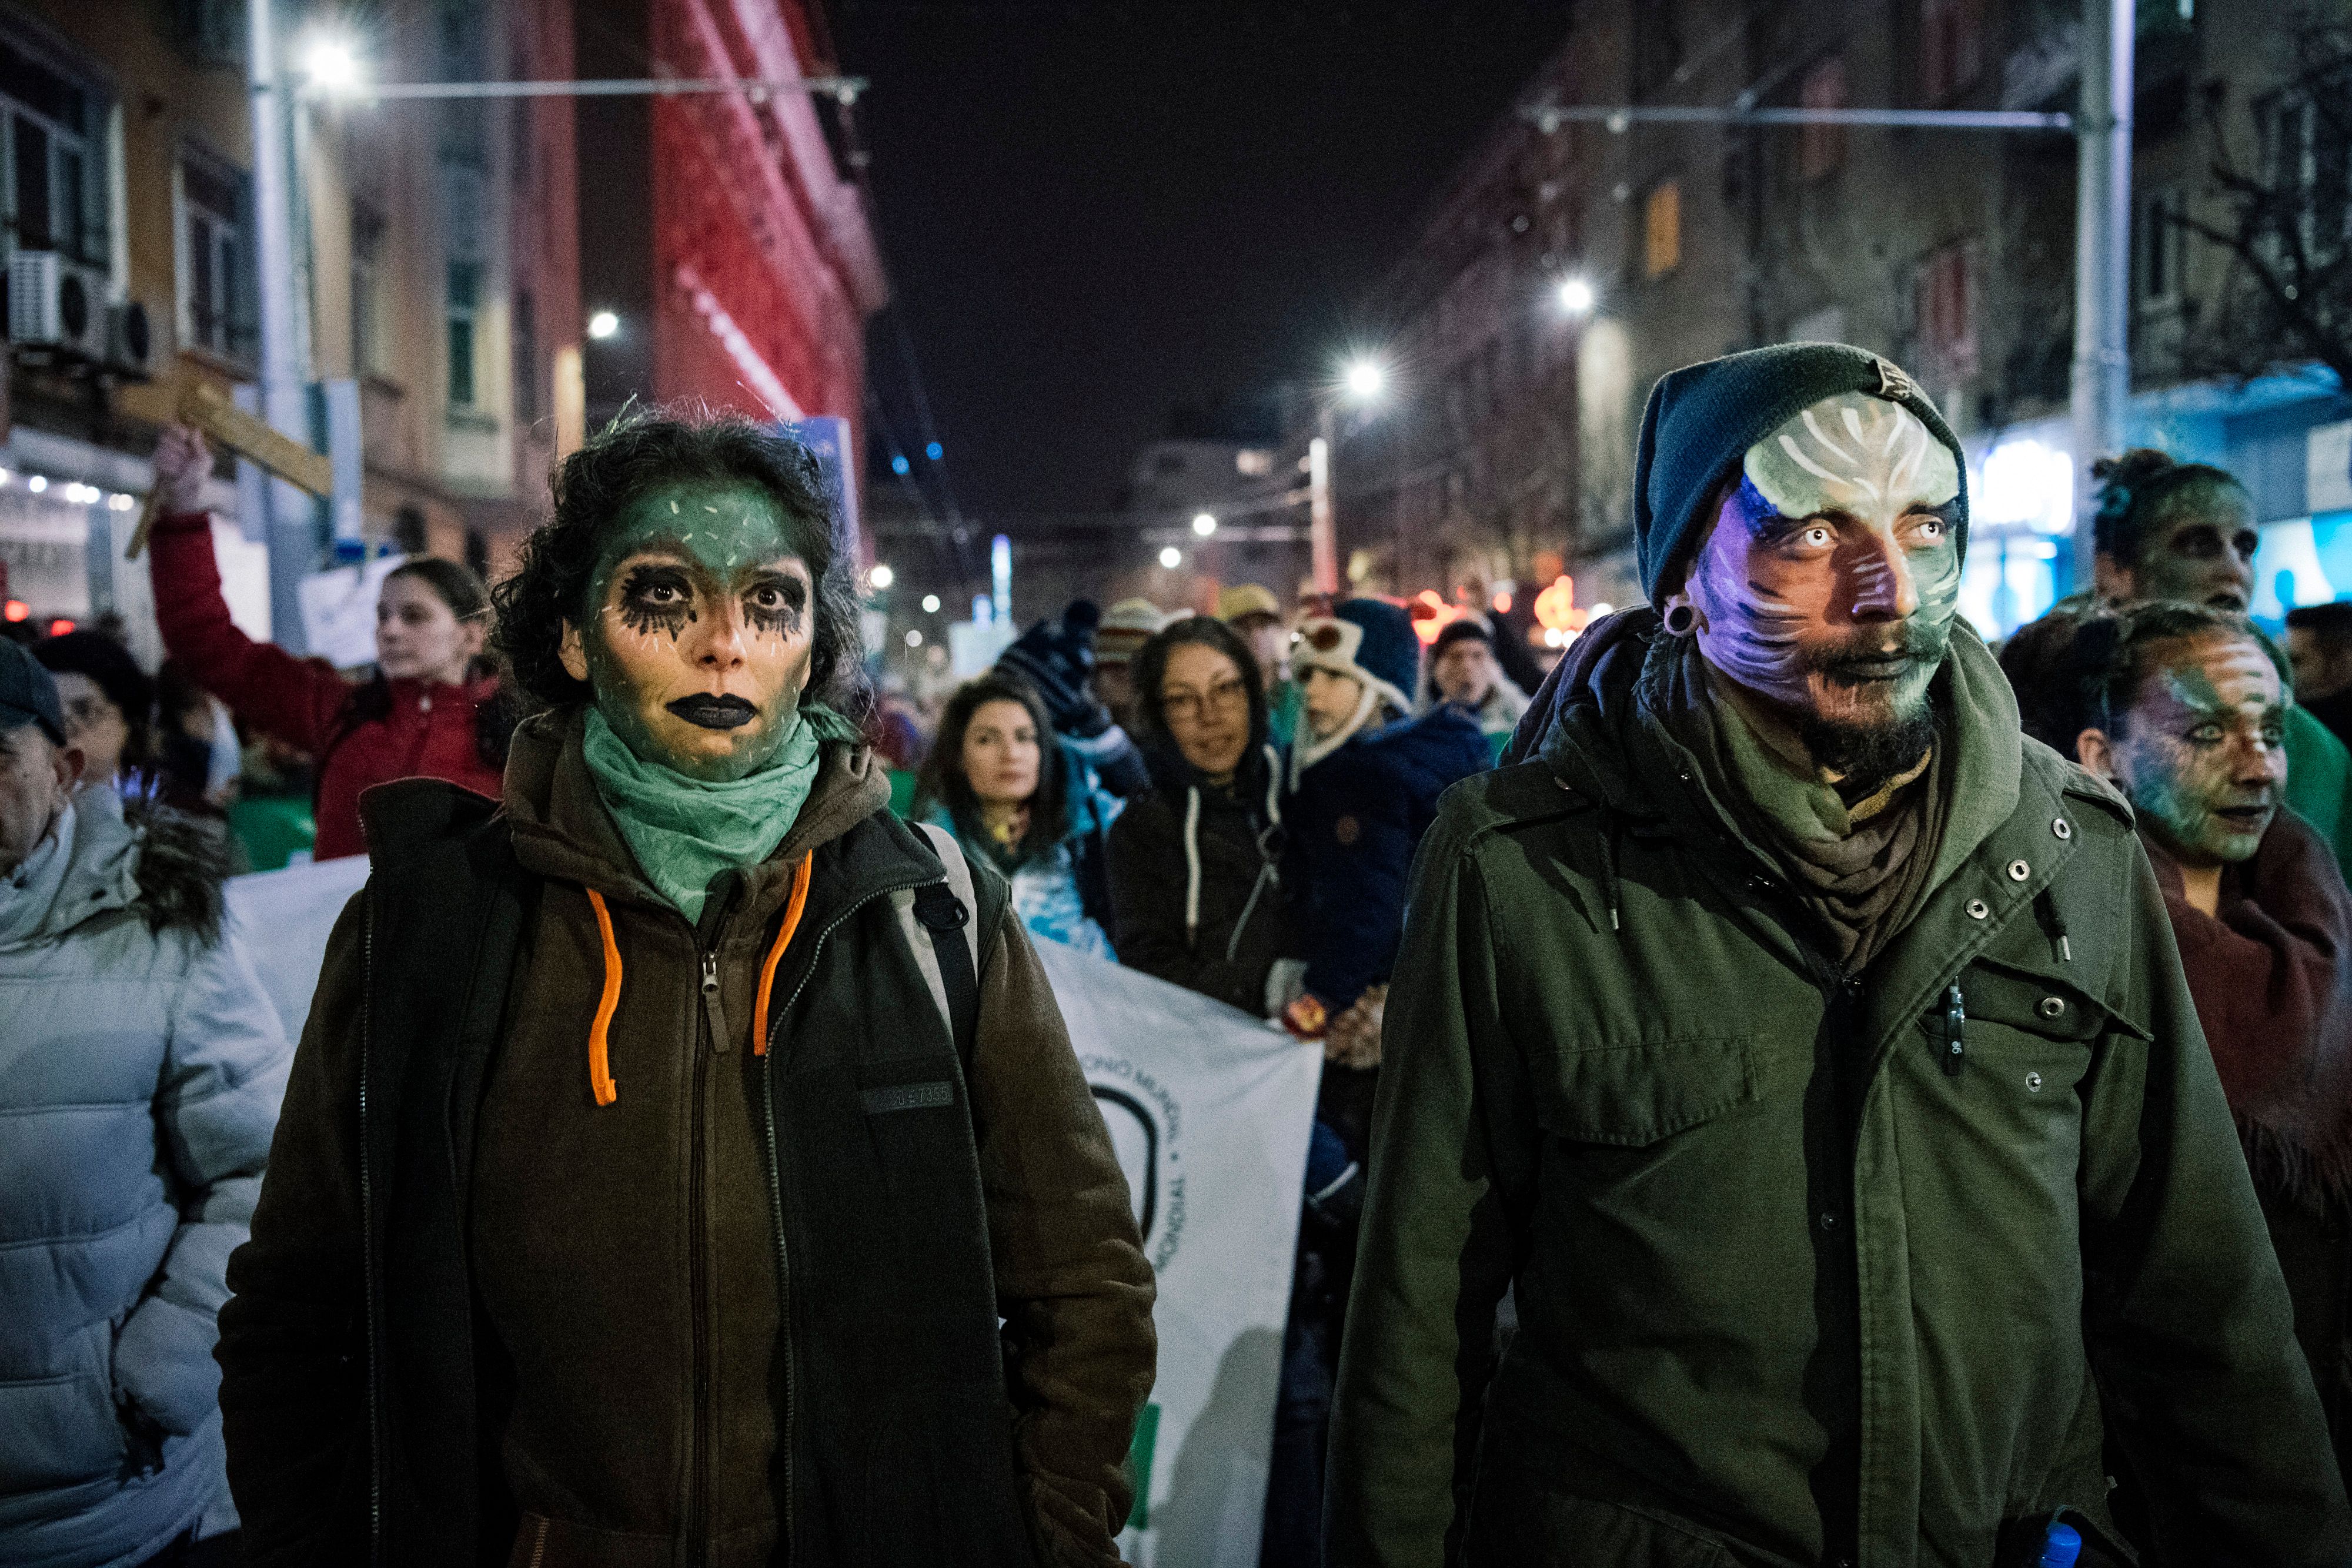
(1855, 454)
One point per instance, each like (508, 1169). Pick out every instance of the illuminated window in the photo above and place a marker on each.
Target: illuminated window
(1943, 298)
(1951, 46)
(1662, 228)
(1823, 147)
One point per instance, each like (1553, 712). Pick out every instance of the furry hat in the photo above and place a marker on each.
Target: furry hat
(1367, 640)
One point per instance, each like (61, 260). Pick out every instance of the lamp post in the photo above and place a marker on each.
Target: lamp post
(287, 516)
(1363, 382)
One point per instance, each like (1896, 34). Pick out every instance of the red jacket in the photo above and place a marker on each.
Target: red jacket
(429, 733)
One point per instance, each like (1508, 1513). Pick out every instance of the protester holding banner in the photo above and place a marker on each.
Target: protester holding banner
(1002, 782)
(433, 710)
(690, 1155)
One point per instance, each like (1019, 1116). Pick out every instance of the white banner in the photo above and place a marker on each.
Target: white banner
(1209, 1110)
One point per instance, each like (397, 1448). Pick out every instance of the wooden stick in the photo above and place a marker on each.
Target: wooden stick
(209, 410)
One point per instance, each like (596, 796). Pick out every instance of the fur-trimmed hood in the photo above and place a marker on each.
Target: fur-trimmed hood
(119, 854)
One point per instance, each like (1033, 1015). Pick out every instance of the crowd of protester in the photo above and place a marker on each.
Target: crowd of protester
(1229, 799)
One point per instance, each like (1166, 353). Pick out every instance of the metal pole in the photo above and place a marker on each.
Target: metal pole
(1322, 528)
(1549, 118)
(288, 519)
(2102, 379)
(846, 90)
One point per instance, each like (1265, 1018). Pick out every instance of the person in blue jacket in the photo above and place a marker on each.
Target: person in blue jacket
(1365, 776)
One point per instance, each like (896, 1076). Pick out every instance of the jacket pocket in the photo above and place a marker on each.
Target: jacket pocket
(2036, 1032)
(60, 1431)
(1632, 1095)
(1586, 1532)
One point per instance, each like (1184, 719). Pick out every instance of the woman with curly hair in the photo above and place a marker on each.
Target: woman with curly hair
(689, 1153)
(434, 708)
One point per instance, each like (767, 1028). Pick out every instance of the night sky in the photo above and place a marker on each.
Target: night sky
(1094, 211)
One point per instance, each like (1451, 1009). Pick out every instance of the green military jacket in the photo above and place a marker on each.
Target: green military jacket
(1807, 1269)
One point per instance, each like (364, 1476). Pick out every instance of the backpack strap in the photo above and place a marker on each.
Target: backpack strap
(946, 910)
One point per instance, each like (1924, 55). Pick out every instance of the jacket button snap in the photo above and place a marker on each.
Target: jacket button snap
(1979, 909)
(1829, 1221)
(2052, 1006)
(2063, 828)
(2019, 870)
(2033, 1083)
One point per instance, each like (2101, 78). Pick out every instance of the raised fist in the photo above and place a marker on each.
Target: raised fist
(183, 464)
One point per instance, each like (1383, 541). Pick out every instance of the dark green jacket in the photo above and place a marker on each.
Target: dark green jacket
(1788, 1291)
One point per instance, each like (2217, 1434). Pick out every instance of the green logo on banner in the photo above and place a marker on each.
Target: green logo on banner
(1138, 1467)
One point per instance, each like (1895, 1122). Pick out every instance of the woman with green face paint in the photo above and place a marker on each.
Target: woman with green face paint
(2182, 709)
(690, 1127)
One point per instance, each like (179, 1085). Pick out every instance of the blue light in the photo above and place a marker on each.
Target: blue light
(934, 452)
(900, 466)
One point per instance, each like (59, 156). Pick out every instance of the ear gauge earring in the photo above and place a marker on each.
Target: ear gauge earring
(1681, 620)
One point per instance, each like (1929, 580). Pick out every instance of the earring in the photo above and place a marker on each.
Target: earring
(1681, 621)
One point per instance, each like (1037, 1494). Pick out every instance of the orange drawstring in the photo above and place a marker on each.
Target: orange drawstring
(792, 909)
(600, 1071)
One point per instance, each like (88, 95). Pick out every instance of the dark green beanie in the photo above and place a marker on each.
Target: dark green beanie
(1702, 419)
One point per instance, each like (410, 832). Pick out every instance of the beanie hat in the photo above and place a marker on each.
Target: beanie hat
(1702, 419)
(1247, 599)
(1126, 627)
(1367, 640)
(1459, 627)
(106, 662)
(28, 694)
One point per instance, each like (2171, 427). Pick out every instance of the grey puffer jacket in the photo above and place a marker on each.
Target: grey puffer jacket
(141, 1068)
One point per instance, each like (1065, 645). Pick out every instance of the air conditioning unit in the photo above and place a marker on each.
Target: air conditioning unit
(55, 303)
(132, 349)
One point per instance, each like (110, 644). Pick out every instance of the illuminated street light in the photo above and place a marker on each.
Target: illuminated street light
(1171, 557)
(1576, 295)
(330, 66)
(1364, 380)
(881, 576)
(604, 324)
(1204, 524)
(930, 604)
(914, 638)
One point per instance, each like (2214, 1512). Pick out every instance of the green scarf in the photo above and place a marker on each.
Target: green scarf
(685, 831)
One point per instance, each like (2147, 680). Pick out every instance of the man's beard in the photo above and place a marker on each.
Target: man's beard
(1865, 754)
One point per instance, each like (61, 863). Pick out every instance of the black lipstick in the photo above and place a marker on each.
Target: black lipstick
(713, 712)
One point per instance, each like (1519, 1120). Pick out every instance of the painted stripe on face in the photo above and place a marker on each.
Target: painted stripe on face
(1882, 462)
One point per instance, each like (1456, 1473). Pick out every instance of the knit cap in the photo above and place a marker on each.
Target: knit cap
(1368, 639)
(1126, 627)
(1244, 598)
(1459, 627)
(1702, 419)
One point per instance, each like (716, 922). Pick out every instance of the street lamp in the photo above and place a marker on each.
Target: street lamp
(1576, 295)
(1204, 524)
(1361, 381)
(881, 576)
(331, 66)
(930, 604)
(1171, 557)
(604, 324)
(1365, 379)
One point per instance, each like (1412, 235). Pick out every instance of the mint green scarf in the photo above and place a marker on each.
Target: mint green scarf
(685, 831)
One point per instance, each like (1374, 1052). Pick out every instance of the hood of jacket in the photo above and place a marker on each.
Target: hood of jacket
(562, 830)
(1590, 724)
(108, 853)
(1424, 752)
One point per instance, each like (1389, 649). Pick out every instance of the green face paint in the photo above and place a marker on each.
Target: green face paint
(698, 629)
(1830, 579)
(2203, 755)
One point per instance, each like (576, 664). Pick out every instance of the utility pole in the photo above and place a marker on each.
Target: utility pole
(2102, 379)
(1322, 528)
(289, 517)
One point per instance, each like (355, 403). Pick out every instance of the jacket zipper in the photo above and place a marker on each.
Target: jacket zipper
(367, 1242)
(776, 1196)
(539, 1545)
(698, 1503)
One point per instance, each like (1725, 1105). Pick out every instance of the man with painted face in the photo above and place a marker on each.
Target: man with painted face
(1808, 1051)
(685, 1162)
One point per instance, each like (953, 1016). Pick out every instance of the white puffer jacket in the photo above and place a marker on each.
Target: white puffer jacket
(141, 1068)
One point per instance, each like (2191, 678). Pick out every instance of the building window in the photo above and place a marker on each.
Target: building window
(51, 128)
(1823, 147)
(368, 357)
(526, 356)
(1951, 46)
(1943, 307)
(2308, 171)
(465, 299)
(2161, 247)
(216, 282)
(1662, 228)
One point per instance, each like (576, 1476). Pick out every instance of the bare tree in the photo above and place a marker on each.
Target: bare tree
(2285, 299)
